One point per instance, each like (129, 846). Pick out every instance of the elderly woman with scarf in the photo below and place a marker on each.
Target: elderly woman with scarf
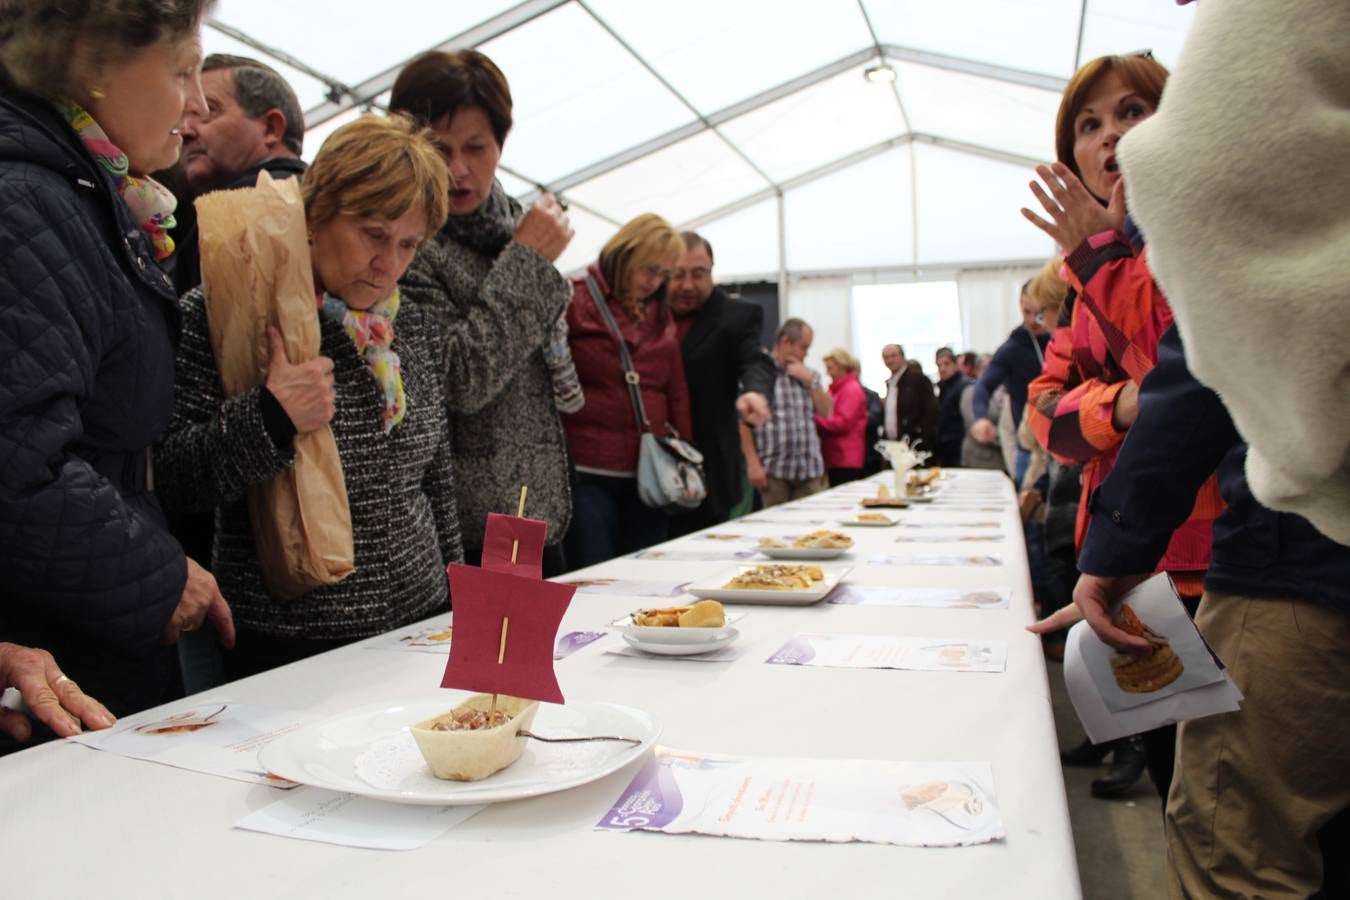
(375, 192)
(488, 278)
(92, 97)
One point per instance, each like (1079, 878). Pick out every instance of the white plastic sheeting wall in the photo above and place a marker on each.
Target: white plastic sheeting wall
(749, 119)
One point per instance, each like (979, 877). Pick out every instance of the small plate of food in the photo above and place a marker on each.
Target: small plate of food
(885, 499)
(372, 751)
(680, 630)
(870, 519)
(778, 584)
(822, 544)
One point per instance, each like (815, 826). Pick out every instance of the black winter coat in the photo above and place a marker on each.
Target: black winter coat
(88, 322)
(722, 358)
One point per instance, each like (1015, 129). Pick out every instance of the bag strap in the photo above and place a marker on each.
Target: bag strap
(630, 374)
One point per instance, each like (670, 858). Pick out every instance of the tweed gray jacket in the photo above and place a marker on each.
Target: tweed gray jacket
(399, 485)
(497, 313)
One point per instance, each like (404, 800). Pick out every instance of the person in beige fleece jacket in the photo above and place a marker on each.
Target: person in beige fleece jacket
(1240, 183)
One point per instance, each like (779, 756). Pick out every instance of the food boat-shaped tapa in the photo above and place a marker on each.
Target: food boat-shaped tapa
(506, 622)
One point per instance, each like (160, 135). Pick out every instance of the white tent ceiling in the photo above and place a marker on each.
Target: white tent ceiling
(749, 119)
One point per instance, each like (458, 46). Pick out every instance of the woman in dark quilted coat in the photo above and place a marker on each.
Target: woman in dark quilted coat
(87, 327)
(375, 192)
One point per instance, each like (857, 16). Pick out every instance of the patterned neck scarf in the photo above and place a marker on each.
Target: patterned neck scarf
(151, 203)
(372, 331)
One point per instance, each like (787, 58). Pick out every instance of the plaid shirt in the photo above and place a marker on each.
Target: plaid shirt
(788, 444)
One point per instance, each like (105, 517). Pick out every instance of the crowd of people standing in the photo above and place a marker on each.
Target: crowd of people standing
(455, 364)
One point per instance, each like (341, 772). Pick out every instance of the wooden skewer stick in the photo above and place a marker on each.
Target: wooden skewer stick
(501, 649)
(520, 512)
(501, 655)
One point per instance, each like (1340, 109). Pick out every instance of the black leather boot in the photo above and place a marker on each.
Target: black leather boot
(1127, 767)
(1086, 754)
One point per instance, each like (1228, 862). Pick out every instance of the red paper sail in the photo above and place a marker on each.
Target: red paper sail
(502, 534)
(503, 590)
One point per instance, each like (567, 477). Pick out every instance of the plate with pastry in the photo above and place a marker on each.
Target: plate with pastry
(777, 584)
(822, 544)
(679, 641)
(702, 627)
(885, 499)
(373, 751)
(870, 519)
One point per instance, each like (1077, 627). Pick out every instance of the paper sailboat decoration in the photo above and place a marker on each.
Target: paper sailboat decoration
(506, 615)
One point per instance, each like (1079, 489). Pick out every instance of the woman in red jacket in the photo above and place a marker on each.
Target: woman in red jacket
(1113, 317)
(630, 278)
(843, 434)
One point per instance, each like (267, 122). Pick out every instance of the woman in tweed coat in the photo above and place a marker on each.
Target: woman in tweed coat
(376, 190)
(488, 277)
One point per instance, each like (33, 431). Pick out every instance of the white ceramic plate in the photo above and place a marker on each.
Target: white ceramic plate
(712, 588)
(803, 552)
(370, 752)
(720, 638)
(656, 634)
(864, 523)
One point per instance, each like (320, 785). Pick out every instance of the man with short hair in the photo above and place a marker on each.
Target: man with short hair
(1015, 365)
(253, 123)
(969, 364)
(730, 378)
(911, 406)
(783, 459)
(1259, 797)
(952, 384)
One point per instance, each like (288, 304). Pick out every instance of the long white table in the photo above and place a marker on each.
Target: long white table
(76, 822)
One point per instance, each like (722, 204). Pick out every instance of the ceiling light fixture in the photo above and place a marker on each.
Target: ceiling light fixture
(879, 74)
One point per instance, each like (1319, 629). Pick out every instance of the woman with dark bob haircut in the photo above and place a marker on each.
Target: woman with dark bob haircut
(488, 278)
(374, 193)
(1110, 324)
(92, 96)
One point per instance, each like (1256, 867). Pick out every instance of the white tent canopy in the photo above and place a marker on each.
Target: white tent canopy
(748, 119)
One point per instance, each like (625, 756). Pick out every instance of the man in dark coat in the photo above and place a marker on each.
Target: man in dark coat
(951, 424)
(1276, 609)
(730, 378)
(911, 407)
(253, 124)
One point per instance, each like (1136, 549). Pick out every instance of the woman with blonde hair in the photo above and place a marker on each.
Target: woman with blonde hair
(626, 285)
(92, 98)
(843, 433)
(375, 192)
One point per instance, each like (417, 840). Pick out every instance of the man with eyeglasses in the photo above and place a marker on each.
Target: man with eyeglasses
(731, 378)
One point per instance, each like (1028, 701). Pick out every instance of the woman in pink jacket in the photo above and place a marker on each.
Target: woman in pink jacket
(843, 434)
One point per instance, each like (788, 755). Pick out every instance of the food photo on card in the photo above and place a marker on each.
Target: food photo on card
(1179, 661)
(916, 804)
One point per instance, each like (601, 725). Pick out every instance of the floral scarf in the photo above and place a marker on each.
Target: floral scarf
(372, 331)
(151, 203)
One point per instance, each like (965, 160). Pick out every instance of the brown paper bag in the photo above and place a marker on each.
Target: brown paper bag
(255, 273)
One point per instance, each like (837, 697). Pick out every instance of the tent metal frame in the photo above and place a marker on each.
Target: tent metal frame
(342, 97)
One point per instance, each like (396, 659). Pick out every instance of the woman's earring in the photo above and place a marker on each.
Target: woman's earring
(97, 94)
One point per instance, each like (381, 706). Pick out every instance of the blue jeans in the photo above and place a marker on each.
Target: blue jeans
(609, 520)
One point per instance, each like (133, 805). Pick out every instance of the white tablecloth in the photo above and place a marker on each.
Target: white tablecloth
(75, 822)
